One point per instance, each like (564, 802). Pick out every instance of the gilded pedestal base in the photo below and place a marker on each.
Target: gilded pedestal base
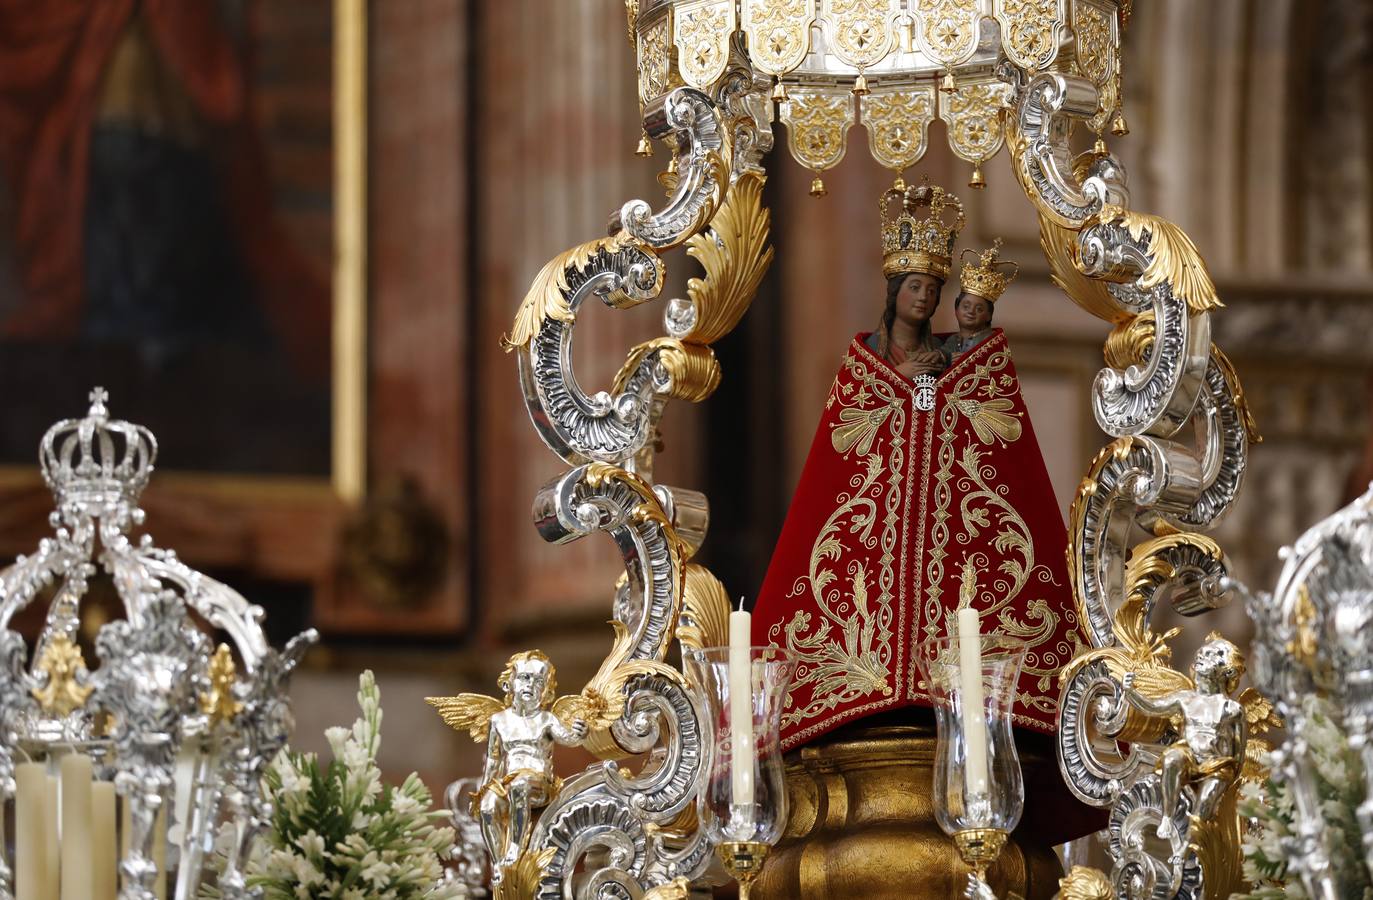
(862, 826)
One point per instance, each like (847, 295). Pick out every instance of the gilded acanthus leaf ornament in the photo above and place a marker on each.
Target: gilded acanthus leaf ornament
(520, 880)
(65, 686)
(548, 294)
(898, 124)
(1060, 250)
(705, 610)
(1085, 883)
(691, 369)
(1173, 258)
(701, 32)
(1030, 30)
(973, 114)
(676, 889)
(219, 702)
(947, 30)
(818, 124)
(778, 33)
(735, 254)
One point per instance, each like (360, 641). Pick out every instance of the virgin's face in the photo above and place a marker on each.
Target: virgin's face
(973, 313)
(917, 298)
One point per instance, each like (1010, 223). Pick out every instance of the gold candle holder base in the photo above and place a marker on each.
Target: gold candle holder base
(743, 860)
(979, 848)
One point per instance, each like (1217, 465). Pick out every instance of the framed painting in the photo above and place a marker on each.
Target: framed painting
(183, 222)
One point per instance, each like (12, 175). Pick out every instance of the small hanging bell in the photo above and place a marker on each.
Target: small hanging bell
(1119, 127)
(949, 86)
(860, 85)
(817, 187)
(977, 182)
(645, 147)
(1099, 148)
(779, 90)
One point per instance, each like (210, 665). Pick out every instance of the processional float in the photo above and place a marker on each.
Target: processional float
(1022, 74)
(1018, 73)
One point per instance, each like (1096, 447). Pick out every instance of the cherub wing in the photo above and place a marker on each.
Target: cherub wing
(1259, 712)
(469, 712)
(1255, 767)
(1157, 682)
(603, 700)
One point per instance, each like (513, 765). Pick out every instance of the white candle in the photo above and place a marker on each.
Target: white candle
(741, 705)
(51, 863)
(31, 823)
(76, 827)
(125, 836)
(974, 711)
(104, 860)
(160, 852)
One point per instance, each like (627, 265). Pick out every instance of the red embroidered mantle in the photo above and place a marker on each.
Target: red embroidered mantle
(895, 510)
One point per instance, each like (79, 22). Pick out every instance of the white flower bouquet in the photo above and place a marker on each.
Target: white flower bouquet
(1274, 823)
(339, 833)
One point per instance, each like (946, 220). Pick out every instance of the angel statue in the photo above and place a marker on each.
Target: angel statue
(518, 778)
(1214, 729)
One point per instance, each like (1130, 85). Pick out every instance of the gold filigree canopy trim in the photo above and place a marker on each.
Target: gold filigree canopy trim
(894, 65)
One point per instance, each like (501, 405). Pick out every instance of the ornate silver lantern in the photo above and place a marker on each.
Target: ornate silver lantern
(181, 730)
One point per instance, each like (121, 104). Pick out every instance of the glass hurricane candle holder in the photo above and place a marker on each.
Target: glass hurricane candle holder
(979, 793)
(743, 804)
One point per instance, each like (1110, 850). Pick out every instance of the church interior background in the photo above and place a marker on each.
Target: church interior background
(497, 134)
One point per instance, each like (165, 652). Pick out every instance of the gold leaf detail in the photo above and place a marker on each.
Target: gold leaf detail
(676, 889)
(860, 31)
(735, 255)
(701, 31)
(1232, 381)
(817, 123)
(1084, 883)
(898, 124)
(547, 296)
(1173, 258)
(778, 33)
(705, 610)
(693, 370)
(973, 115)
(1098, 49)
(64, 690)
(520, 880)
(467, 712)
(1060, 249)
(946, 30)
(1030, 31)
(219, 703)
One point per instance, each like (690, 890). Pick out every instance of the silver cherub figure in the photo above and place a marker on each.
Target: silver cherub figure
(1213, 729)
(520, 733)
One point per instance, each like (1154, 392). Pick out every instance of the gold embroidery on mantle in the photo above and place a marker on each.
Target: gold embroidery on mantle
(981, 400)
(845, 653)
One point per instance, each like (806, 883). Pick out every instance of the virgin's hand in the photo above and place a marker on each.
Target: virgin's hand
(918, 366)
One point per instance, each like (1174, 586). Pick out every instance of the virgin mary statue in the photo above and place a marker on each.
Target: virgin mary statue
(924, 491)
